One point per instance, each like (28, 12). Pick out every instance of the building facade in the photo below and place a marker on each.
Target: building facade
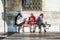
(50, 8)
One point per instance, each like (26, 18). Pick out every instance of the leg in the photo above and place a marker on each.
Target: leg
(23, 28)
(44, 27)
(34, 28)
(39, 28)
(19, 28)
(30, 28)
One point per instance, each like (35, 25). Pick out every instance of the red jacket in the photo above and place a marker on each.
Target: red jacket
(32, 20)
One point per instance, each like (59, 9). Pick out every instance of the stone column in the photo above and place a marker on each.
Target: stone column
(11, 10)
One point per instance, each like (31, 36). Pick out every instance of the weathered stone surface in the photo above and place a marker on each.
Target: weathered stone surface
(33, 36)
(12, 5)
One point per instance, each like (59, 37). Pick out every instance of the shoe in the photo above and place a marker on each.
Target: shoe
(39, 31)
(33, 31)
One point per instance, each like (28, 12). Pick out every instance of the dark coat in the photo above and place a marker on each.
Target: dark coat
(38, 20)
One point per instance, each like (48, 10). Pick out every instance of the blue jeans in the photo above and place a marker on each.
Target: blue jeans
(39, 27)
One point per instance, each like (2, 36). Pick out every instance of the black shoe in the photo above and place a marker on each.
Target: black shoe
(33, 31)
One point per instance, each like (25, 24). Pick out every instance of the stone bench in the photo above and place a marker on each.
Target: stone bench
(27, 25)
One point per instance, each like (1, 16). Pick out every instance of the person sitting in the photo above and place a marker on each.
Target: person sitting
(19, 21)
(32, 22)
(40, 22)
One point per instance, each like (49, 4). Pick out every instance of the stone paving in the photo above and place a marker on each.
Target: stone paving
(32, 36)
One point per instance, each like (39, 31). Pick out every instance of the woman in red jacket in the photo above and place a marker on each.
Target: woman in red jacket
(32, 22)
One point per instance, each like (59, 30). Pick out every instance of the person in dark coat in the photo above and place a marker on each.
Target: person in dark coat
(40, 22)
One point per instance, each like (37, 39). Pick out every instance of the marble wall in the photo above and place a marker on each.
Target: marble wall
(51, 18)
(51, 14)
